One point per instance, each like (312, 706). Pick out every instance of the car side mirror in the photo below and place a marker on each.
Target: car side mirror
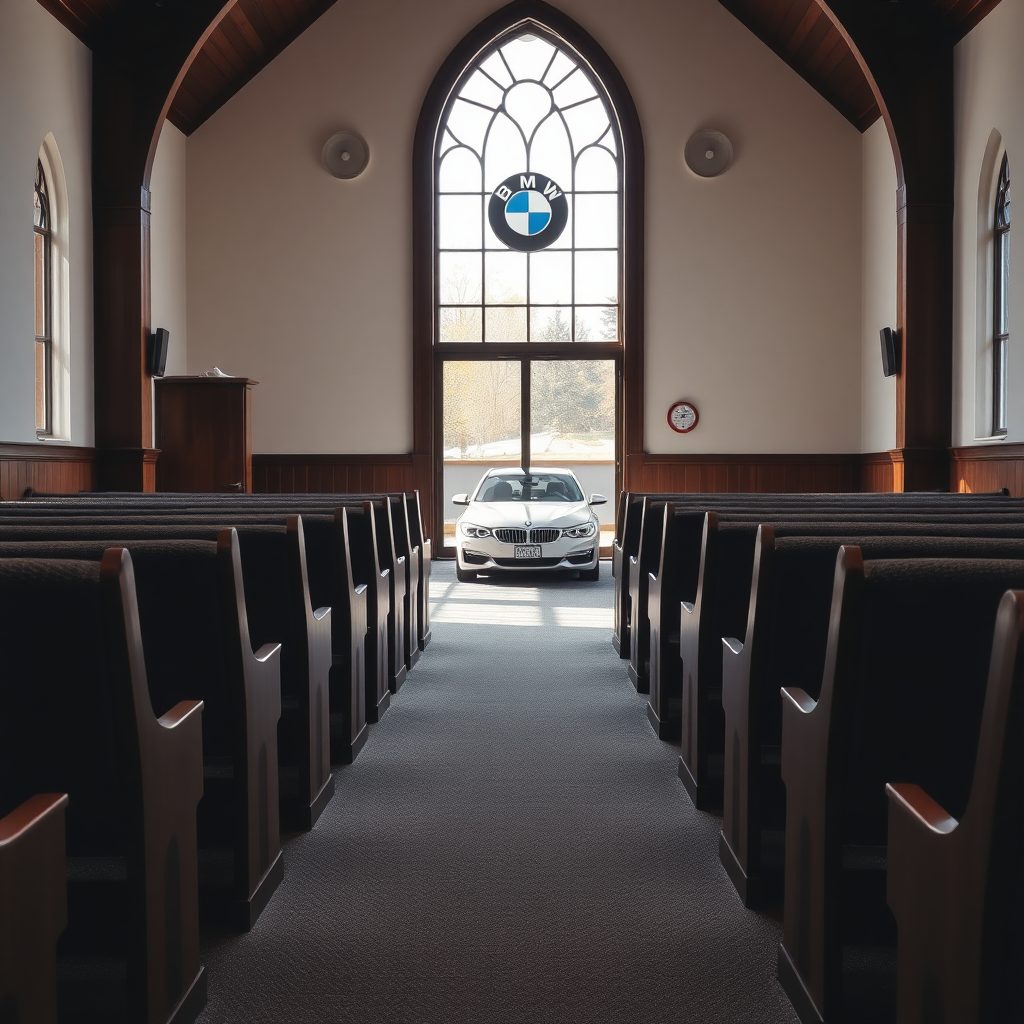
(597, 499)
(460, 499)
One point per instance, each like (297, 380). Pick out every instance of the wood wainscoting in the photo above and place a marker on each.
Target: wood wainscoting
(769, 474)
(877, 473)
(332, 474)
(49, 467)
(982, 468)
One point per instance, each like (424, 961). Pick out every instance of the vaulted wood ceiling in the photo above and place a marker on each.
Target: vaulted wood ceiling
(247, 39)
(254, 32)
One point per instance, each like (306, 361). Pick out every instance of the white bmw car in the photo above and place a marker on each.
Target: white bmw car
(537, 520)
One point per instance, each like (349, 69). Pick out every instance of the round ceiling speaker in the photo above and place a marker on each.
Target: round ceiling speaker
(708, 153)
(345, 154)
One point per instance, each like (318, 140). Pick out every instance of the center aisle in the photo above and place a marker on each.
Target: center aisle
(513, 844)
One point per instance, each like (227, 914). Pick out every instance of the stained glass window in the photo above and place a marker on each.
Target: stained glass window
(43, 303)
(1001, 280)
(529, 201)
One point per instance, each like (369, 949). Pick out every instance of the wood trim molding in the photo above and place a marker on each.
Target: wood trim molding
(45, 451)
(45, 466)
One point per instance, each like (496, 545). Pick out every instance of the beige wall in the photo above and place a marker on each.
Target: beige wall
(753, 280)
(878, 301)
(45, 88)
(167, 250)
(989, 116)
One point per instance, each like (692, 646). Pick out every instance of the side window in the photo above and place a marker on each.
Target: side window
(1001, 299)
(43, 237)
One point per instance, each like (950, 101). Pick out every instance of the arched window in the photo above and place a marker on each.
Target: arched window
(1001, 299)
(528, 250)
(43, 234)
(529, 201)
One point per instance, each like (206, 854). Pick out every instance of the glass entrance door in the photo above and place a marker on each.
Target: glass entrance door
(481, 426)
(572, 424)
(533, 413)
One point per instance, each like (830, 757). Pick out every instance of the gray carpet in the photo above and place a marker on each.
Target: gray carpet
(513, 844)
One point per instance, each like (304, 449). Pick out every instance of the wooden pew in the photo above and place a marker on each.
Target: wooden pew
(895, 703)
(278, 608)
(412, 501)
(784, 643)
(317, 503)
(954, 885)
(195, 639)
(334, 583)
(365, 548)
(394, 563)
(724, 590)
(33, 907)
(645, 560)
(626, 542)
(405, 549)
(87, 727)
(237, 508)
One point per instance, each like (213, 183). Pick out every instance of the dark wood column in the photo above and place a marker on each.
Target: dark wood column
(137, 67)
(908, 51)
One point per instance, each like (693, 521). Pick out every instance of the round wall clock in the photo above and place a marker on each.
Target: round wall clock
(683, 417)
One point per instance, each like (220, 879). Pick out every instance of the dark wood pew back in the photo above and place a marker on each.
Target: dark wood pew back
(86, 727)
(196, 641)
(894, 704)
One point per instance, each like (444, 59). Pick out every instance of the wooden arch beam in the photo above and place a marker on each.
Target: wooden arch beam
(908, 51)
(137, 67)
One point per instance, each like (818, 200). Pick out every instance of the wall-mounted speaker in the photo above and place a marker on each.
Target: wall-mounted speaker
(890, 351)
(156, 352)
(708, 153)
(345, 154)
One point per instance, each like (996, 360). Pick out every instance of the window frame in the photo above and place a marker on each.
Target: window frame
(42, 193)
(542, 19)
(1000, 300)
(529, 346)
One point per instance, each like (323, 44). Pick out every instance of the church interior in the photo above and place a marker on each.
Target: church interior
(288, 735)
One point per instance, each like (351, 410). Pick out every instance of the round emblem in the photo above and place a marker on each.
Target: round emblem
(528, 212)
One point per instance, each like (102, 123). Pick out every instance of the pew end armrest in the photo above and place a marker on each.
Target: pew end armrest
(321, 613)
(17, 826)
(796, 701)
(730, 645)
(910, 807)
(267, 652)
(686, 606)
(186, 714)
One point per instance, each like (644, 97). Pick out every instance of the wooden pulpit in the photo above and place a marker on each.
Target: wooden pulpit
(204, 433)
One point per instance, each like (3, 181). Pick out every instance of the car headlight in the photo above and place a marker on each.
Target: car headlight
(479, 532)
(583, 530)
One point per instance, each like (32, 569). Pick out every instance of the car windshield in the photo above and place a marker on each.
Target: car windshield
(529, 487)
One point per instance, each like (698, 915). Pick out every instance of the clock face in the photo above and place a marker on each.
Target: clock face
(682, 417)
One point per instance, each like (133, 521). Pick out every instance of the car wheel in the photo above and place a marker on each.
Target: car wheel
(464, 575)
(591, 574)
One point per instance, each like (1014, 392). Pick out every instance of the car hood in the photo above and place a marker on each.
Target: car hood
(516, 513)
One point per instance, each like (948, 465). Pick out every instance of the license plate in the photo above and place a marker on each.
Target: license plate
(527, 551)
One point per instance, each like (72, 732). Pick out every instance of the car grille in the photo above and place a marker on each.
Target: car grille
(544, 536)
(527, 563)
(511, 536)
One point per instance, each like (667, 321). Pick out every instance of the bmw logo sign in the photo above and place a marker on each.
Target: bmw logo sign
(528, 212)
